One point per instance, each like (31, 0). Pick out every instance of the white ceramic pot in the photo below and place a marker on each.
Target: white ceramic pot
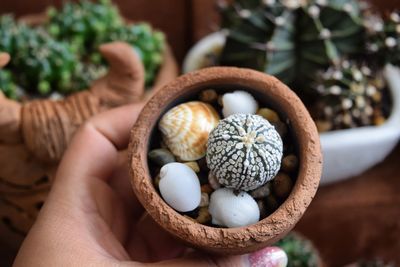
(346, 152)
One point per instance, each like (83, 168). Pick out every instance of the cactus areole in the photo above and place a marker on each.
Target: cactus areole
(244, 152)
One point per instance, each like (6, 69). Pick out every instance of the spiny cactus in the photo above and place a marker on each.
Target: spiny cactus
(86, 25)
(82, 23)
(383, 38)
(290, 39)
(40, 61)
(299, 250)
(147, 42)
(348, 96)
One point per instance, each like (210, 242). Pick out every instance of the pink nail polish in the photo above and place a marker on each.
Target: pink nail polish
(268, 257)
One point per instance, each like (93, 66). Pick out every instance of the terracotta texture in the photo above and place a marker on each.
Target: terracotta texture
(224, 240)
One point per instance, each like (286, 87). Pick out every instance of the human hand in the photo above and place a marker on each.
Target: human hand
(92, 218)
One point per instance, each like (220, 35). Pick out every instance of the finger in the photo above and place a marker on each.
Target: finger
(93, 151)
(148, 242)
(267, 257)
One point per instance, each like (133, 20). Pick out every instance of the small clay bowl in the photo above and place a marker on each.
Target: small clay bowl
(269, 92)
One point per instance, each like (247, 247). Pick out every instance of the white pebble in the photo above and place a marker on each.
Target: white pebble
(180, 187)
(238, 102)
(230, 210)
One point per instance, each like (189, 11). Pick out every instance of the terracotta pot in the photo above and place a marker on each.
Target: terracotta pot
(26, 172)
(266, 89)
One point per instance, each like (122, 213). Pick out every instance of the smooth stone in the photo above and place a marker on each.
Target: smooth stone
(282, 185)
(233, 210)
(161, 156)
(180, 187)
(238, 102)
(268, 114)
(193, 165)
(205, 200)
(208, 96)
(262, 191)
(213, 181)
(290, 163)
(204, 215)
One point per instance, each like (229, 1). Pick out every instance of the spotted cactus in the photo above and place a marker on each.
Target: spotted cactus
(244, 152)
(349, 95)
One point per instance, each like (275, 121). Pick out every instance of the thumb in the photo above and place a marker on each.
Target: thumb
(267, 257)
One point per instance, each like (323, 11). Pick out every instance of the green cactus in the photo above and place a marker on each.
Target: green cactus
(86, 25)
(383, 38)
(82, 23)
(148, 43)
(291, 39)
(299, 250)
(41, 62)
(7, 84)
(348, 96)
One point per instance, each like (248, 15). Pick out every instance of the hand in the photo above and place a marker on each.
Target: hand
(92, 218)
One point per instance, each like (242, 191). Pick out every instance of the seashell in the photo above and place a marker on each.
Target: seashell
(238, 102)
(230, 210)
(161, 156)
(180, 187)
(244, 152)
(208, 96)
(185, 129)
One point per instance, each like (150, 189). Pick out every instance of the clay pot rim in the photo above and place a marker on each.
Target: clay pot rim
(228, 240)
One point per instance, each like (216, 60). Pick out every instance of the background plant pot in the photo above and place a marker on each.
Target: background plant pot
(346, 152)
(266, 89)
(25, 180)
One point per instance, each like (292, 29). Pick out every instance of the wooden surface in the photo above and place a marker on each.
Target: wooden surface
(356, 218)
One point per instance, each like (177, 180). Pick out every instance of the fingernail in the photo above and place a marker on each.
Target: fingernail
(268, 257)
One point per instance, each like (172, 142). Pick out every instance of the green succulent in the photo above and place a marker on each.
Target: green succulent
(41, 62)
(7, 84)
(86, 25)
(290, 39)
(148, 43)
(300, 251)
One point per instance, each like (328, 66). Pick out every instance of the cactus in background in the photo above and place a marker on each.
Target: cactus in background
(349, 95)
(291, 39)
(86, 25)
(147, 42)
(7, 84)
(383, 38)
(82, 23)
(40, 61)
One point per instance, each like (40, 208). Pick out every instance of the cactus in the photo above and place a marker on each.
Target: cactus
(86, 25)
(291, 39)
(299, 250)
(40, 61)
(7, 84)
(82, 23)
(383, 38)
(349, 95)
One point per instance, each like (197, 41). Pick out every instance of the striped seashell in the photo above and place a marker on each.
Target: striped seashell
(244, 152)
(185, 129)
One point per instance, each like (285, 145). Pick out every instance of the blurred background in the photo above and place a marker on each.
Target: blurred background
(352, 219)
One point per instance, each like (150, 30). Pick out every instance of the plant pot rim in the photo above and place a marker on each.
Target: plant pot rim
(228, 240)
